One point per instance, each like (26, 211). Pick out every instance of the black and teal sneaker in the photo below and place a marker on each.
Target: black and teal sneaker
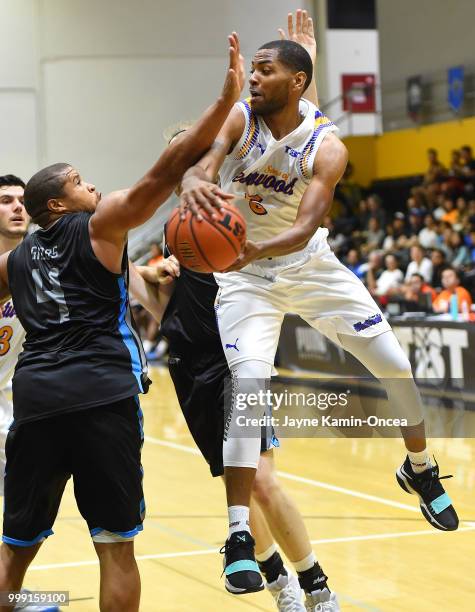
(436, 505)
(240, 567)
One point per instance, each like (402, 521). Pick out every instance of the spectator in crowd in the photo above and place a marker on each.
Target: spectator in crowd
(419, 264)
(390, 280)
(416, 221)
(353, 262)
(417, 290)
(375, 262)
(446, 238)
(468, 168)
(439, 211)
(456, 164)
(463, 214)
(461, 253)
(376, 210)
(156, 254)
(374, 236)
(363, 215)
(436, 171)
(428, 237)
(438, 264)
(336, 239)
(451, 286)
(451, 213)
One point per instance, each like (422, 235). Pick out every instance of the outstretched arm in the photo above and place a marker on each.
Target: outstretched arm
(303, 33)
(330, 163)
(121, 211)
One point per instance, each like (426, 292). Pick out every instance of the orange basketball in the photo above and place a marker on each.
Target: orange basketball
(208, 245)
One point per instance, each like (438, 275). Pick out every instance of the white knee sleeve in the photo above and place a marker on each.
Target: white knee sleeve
(242, 438)
(383, 356)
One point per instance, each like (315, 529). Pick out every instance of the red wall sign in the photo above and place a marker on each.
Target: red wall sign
(358, 93)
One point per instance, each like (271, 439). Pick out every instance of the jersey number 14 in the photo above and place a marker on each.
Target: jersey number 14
(55, 294)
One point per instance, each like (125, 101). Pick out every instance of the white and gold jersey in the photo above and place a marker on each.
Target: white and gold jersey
(12, 336)
(268, 176)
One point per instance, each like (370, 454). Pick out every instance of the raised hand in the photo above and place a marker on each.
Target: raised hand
(235, 77)
(303, 32)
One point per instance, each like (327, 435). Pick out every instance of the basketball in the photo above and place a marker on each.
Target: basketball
(208, 245)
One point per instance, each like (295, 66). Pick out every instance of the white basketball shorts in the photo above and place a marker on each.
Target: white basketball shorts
(313, 283)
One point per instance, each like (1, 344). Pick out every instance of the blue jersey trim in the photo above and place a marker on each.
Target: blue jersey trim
(127, 336)
(39, 537)
(122, 534)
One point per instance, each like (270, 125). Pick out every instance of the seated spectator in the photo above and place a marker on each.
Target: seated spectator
(363, 215)
(419, 264)
(156, 254)
(400, 232)
(446, 237)
(463, 213)
(439, 211)
(353, 262)
(451, 285)
(461, 253)
(376, 210)
(439, 263)
(436, 171)
(388, 242)
(428, 237)
(456, 165)
(416, 221)
(417, 290)
(336, 239)
(390, 280)
(375, 263)
(374, 236)
(451, 213)
(468, 168)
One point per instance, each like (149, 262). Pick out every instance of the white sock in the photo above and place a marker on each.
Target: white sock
(419, 461)
(305, 564)
(267, 554)
(238, 519)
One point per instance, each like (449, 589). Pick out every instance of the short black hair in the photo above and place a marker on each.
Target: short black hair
(10, 180)
(294, 56)
(43, 186)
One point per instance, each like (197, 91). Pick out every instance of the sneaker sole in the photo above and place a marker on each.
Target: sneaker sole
(404, 484)
(237, 591)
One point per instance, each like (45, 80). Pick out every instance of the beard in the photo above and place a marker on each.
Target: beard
(263, 107)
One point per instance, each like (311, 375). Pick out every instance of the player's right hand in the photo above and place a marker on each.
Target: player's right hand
(200, 196)
(236, 76)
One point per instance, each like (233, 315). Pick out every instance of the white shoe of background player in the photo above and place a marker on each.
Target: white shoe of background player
(322, 601)
(287, 593)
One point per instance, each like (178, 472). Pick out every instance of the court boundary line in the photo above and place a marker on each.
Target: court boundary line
(309, 481)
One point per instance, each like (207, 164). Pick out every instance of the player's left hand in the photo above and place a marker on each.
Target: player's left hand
(250, 252)
(303, 32)
(162, 273)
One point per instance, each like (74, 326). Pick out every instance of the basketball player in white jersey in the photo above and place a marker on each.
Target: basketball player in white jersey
(278, 156)
(13, 226)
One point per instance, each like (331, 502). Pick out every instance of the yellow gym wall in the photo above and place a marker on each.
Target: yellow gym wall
(404, 152)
